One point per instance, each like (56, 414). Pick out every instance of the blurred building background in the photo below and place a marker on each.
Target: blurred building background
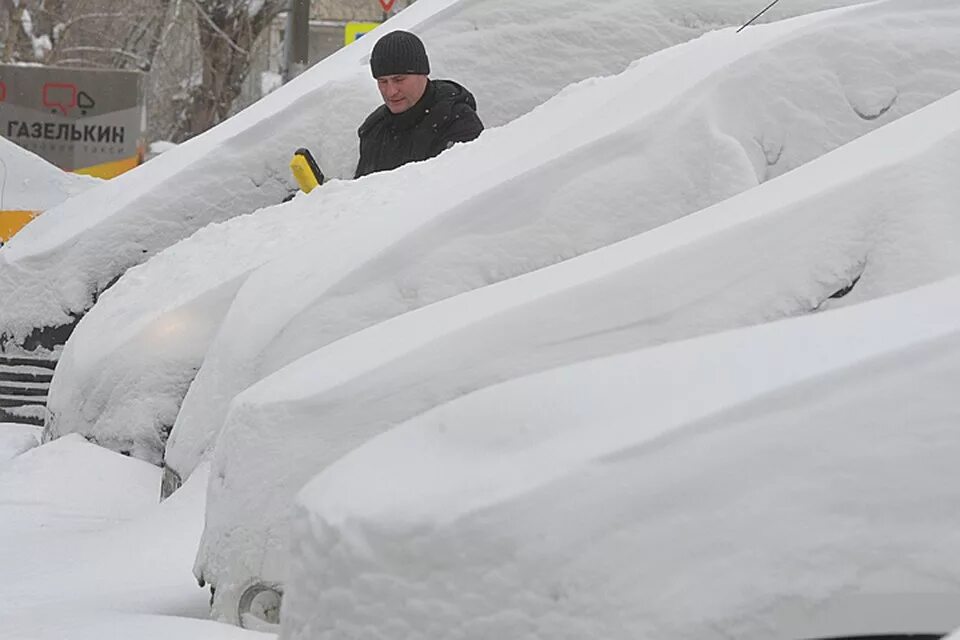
(327, 26)
(204, 60)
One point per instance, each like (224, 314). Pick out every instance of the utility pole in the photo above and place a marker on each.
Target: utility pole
(296, 45)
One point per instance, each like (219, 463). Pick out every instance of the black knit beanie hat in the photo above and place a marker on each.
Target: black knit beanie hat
(398, 53)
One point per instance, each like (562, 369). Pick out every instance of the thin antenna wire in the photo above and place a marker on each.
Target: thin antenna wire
(754, 18)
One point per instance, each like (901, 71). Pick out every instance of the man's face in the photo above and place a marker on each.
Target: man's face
(401, 92)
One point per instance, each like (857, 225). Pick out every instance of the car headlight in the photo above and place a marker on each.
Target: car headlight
(259, 607)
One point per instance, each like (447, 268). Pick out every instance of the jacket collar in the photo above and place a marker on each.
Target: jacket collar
(409, 118)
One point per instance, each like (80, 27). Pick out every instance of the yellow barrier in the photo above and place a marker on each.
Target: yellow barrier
(110, 169)
(12, 221)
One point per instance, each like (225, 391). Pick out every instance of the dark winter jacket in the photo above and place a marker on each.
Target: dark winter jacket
(446, 114)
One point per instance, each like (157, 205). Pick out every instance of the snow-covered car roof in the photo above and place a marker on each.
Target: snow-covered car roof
(877, 214)
(30, 183)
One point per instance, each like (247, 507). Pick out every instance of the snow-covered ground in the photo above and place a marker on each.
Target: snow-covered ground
(880, 212)
(16, 439)
(512, 55)
(703, 489)
(725, 112)
(86, 552)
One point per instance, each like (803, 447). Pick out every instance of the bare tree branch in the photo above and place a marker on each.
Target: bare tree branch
(213, 25)
(116, 51)
(71, 22)
(82, 62)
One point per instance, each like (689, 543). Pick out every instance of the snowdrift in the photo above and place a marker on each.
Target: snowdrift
(88, 554)
(598, 501)
(16, 439)
(52, 274)
(875, 217)
(80, 625)
(366, 253)
(83, 544)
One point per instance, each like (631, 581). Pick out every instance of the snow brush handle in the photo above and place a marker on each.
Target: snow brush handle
(306, 171)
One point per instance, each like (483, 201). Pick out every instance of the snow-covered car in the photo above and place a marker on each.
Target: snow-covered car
(505, 51)
(873, 218)
(354, 254)
(735, 485)
(29, 185)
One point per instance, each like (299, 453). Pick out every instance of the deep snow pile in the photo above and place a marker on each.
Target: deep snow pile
(83, 625)
(87, 552)
(879, 214)
(599, 501)
(708, 119)
(16, 439)
(53, 273)
(30, 183)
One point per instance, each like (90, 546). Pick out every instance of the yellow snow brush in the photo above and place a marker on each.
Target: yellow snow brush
(306, 171)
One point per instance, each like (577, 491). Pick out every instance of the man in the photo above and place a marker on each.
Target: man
(419, 118)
